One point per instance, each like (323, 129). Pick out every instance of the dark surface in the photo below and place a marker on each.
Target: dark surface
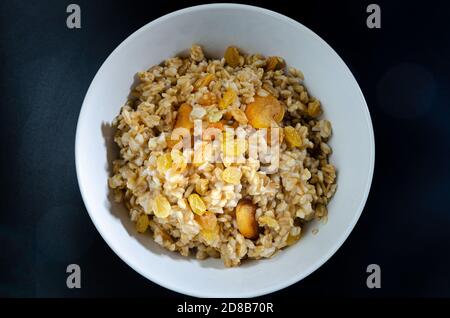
(403, 70)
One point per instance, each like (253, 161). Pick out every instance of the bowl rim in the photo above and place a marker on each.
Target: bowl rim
(342, 238)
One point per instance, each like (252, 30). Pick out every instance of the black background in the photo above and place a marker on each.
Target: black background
(402, 68)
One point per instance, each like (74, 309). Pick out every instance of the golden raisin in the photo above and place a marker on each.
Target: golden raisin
(232, 56)
(207, 99)
(245, 219)
(227, 99)
(178, 160)
(210, 236)
(203, 81)
(264, 111)
(275, 63)
(197, 204)
(161, 206)
(232, 175)
(293, 138)
(314, 109)
(269, 221)
(164, 163)
(239, 116)
(291, 239)
(142, 223)
(201, 187)
(207, 221)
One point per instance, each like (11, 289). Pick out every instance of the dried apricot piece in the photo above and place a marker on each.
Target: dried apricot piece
(197, 204)
(183, 117)
(183, 120)
(292, 137)
(232, 56)
(232, 175)
(263, 111)
(161, 206)
(245, 219)
(218, 125)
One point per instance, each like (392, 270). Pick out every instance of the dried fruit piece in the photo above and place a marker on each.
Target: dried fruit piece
(210, 236)
(183, 117)
(264, 111)
(178, 160)
(245, 219)
(293, 138)
(239, 116)
(183, 121)
(207, 99)
(214, 116)
(142, 223)
(201, 187)
(203, 81)
(207, 221)
(314, 108)
(161, 206)
(269, 221)
(164, 163)
(228, 98)
(275, 63)
(209, 227)
(291, 239)
(197, 204)
(232, 175)
(218, 125)
(232, 56)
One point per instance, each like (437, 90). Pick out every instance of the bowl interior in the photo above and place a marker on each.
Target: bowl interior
(255, 31)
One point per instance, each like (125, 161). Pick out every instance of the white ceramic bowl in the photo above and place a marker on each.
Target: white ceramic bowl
(255, 30)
